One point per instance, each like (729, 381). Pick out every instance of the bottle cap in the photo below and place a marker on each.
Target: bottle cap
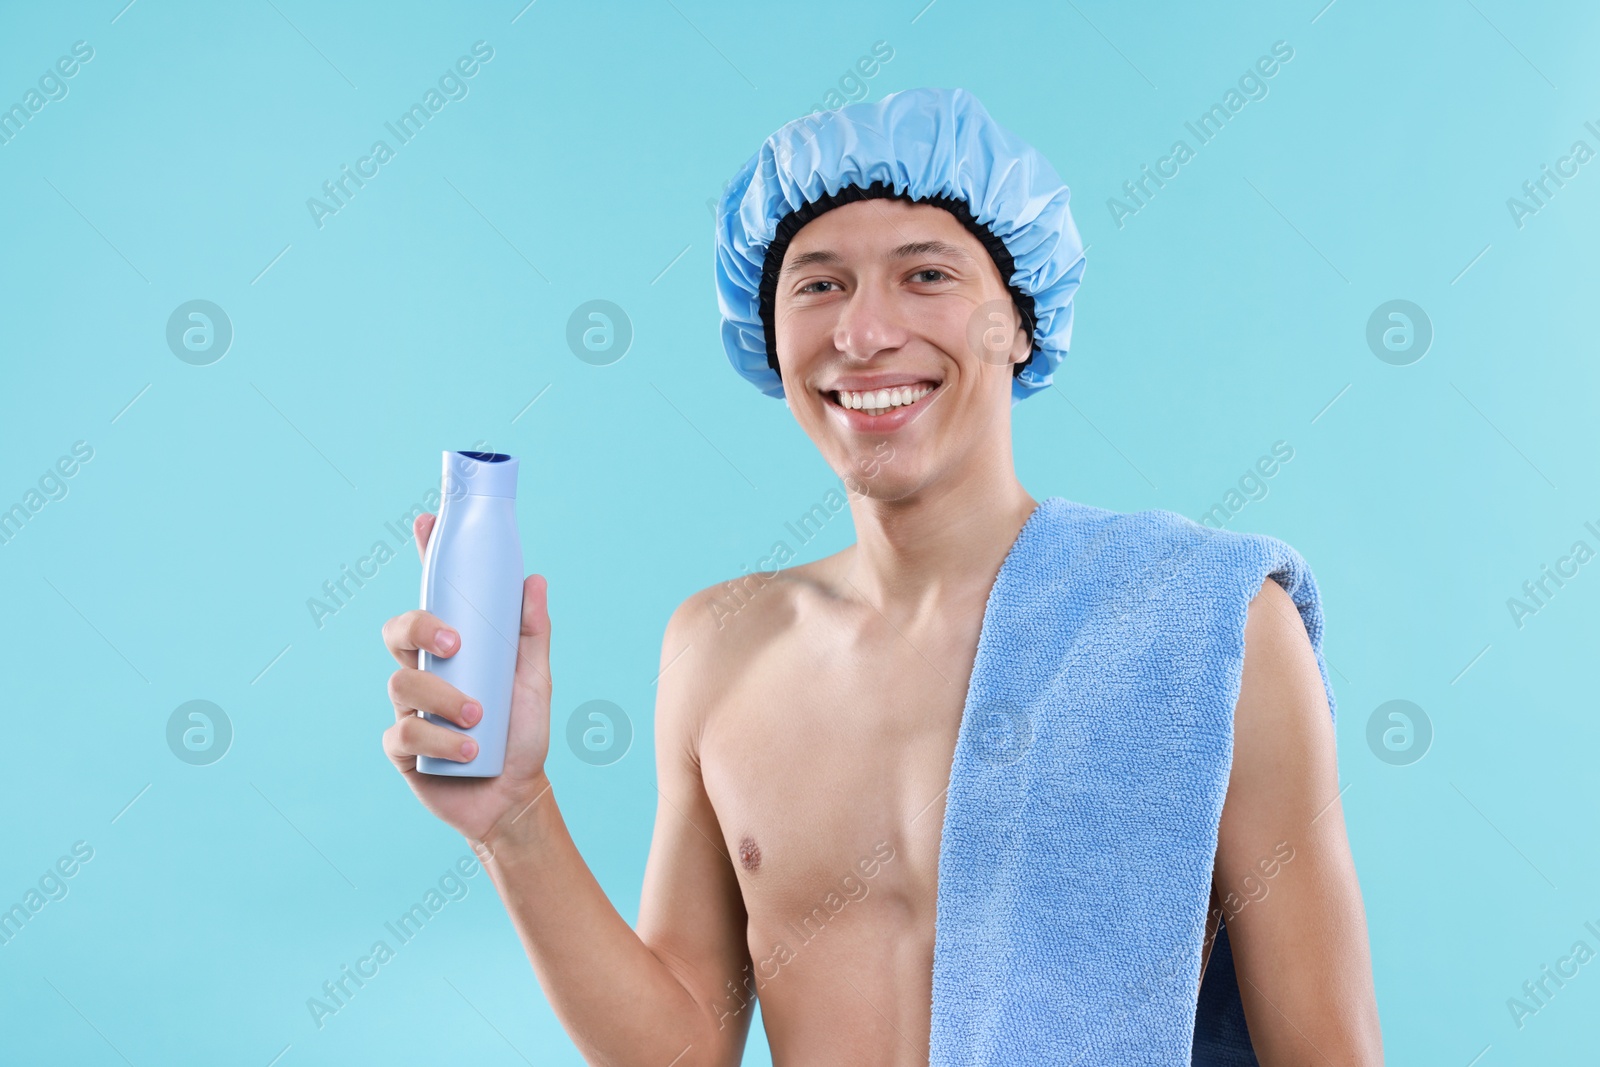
(479, 474)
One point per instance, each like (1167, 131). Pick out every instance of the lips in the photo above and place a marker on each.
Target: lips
(861, 422)
(877, 400)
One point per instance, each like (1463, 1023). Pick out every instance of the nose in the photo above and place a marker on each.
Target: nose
(871, 321)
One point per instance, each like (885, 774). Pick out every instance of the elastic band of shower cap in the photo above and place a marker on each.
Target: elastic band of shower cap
(937, 146)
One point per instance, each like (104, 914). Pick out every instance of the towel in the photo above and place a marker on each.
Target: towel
(1090, 769)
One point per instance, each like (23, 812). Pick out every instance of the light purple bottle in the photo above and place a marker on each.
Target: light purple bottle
(472, 580)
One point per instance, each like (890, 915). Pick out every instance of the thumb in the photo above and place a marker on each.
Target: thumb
(422, 528)
(532, 678)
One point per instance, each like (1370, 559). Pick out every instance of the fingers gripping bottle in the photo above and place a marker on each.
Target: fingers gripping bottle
(472, 580)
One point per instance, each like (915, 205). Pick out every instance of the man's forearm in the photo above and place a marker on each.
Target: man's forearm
(618, 1001)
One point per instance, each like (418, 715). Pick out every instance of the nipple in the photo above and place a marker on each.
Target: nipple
(749, 853)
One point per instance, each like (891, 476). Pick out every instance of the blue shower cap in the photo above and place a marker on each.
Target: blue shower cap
(927, 145)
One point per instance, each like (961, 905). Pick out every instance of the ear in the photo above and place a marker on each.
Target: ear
(1022, 344)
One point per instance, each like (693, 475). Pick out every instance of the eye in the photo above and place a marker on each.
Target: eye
(807, 287)
(932, 270)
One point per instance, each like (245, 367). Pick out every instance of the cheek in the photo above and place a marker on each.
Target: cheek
(978, 337)
(802, 331)
(946, 322)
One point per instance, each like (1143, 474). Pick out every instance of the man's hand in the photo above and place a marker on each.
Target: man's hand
(1284, 877)
(479, 808)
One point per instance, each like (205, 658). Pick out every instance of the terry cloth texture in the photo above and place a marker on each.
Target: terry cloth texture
(1080, 828)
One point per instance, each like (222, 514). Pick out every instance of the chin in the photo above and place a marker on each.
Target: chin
(886, 470)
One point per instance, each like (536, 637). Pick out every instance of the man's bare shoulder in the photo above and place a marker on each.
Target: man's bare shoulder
(721, 634)
(1278, 648)
(1283, 731)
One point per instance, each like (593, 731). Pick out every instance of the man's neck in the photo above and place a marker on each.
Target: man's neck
(915, 557)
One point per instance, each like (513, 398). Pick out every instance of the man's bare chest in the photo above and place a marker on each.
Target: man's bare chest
(827, 766)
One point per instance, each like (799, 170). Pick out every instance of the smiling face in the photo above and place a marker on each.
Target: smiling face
(893, 327)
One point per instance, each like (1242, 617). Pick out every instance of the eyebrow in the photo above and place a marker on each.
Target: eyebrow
(905, 251)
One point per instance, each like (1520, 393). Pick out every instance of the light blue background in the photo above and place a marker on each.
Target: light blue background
(1228, 314)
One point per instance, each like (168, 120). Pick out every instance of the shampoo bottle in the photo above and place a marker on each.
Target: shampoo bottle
(472, 581)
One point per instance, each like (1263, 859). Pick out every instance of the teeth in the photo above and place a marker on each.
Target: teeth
(878, 401)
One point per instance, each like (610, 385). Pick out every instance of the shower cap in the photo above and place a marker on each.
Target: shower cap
(936, 146)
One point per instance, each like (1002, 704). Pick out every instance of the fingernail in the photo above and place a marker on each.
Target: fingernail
(469, 749)
(446, 640)
(471, 713)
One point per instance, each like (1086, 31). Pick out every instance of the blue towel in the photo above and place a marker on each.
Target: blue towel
(1080, 827)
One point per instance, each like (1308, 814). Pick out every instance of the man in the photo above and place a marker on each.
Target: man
(804, 743)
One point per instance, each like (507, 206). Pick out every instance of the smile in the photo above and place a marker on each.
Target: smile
(880, 410)
(882, 400)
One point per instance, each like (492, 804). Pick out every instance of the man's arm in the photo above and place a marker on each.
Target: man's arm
(649, 998)
(1284, 875)
(691, 910)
